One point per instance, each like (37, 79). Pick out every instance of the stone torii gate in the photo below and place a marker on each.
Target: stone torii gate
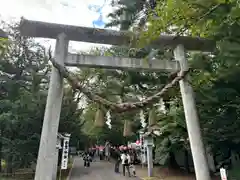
(64, 33)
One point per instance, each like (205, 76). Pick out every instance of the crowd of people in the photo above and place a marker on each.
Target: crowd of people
(89, 155)
(125, 158)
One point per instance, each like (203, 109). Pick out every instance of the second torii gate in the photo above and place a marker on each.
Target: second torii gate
(64, 33)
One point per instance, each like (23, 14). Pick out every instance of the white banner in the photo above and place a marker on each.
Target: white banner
(143, 152)
(65, 150)
(143, 158)
(223, 174)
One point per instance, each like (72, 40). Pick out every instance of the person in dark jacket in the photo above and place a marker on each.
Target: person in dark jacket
(92, 154)
(118, 161)
(101, 152)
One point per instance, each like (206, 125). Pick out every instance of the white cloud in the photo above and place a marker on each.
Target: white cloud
(71, 12)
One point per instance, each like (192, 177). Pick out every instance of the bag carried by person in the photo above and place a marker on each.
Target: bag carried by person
(132, 169)
(126, 160)
(89, 158)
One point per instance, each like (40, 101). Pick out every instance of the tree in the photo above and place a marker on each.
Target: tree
(117, 86)
(24, 75)
(214, 75)
(136, 12)
(23, 72)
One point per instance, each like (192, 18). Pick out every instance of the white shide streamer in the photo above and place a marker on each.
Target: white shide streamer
(108, 122)
(161, 107)
(142, 119)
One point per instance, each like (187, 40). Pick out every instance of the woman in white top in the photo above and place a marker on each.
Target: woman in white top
(126, 159)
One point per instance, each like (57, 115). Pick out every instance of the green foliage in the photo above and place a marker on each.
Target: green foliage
(24, 75)
(234, 173)
(214, 75)
(118, 86)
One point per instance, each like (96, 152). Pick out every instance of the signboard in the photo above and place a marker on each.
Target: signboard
(143, 152)
(148, 141)
(143, 157)
(223, 174)
(65, 151)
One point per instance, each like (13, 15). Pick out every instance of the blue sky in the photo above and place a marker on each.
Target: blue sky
(72, 12)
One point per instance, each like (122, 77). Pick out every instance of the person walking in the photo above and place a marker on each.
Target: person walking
(86, 159)
(92, 154)
(107, 153)
(101, 152)
(118, 161)
(132, 162)
(125, 162)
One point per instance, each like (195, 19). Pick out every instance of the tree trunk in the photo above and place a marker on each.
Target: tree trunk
(230, 158)
(186, 161)
(10, 165)
(60, 157)
(0, 155)
(172, 161)
(154, 152)
(0, 151)
(215, 159)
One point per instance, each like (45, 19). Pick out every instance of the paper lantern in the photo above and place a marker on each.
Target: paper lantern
(99, 119)
(152, 117)
(137, 142)
(127, 131)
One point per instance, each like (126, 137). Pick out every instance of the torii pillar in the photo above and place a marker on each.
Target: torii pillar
(192, 120)
(48, 141)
